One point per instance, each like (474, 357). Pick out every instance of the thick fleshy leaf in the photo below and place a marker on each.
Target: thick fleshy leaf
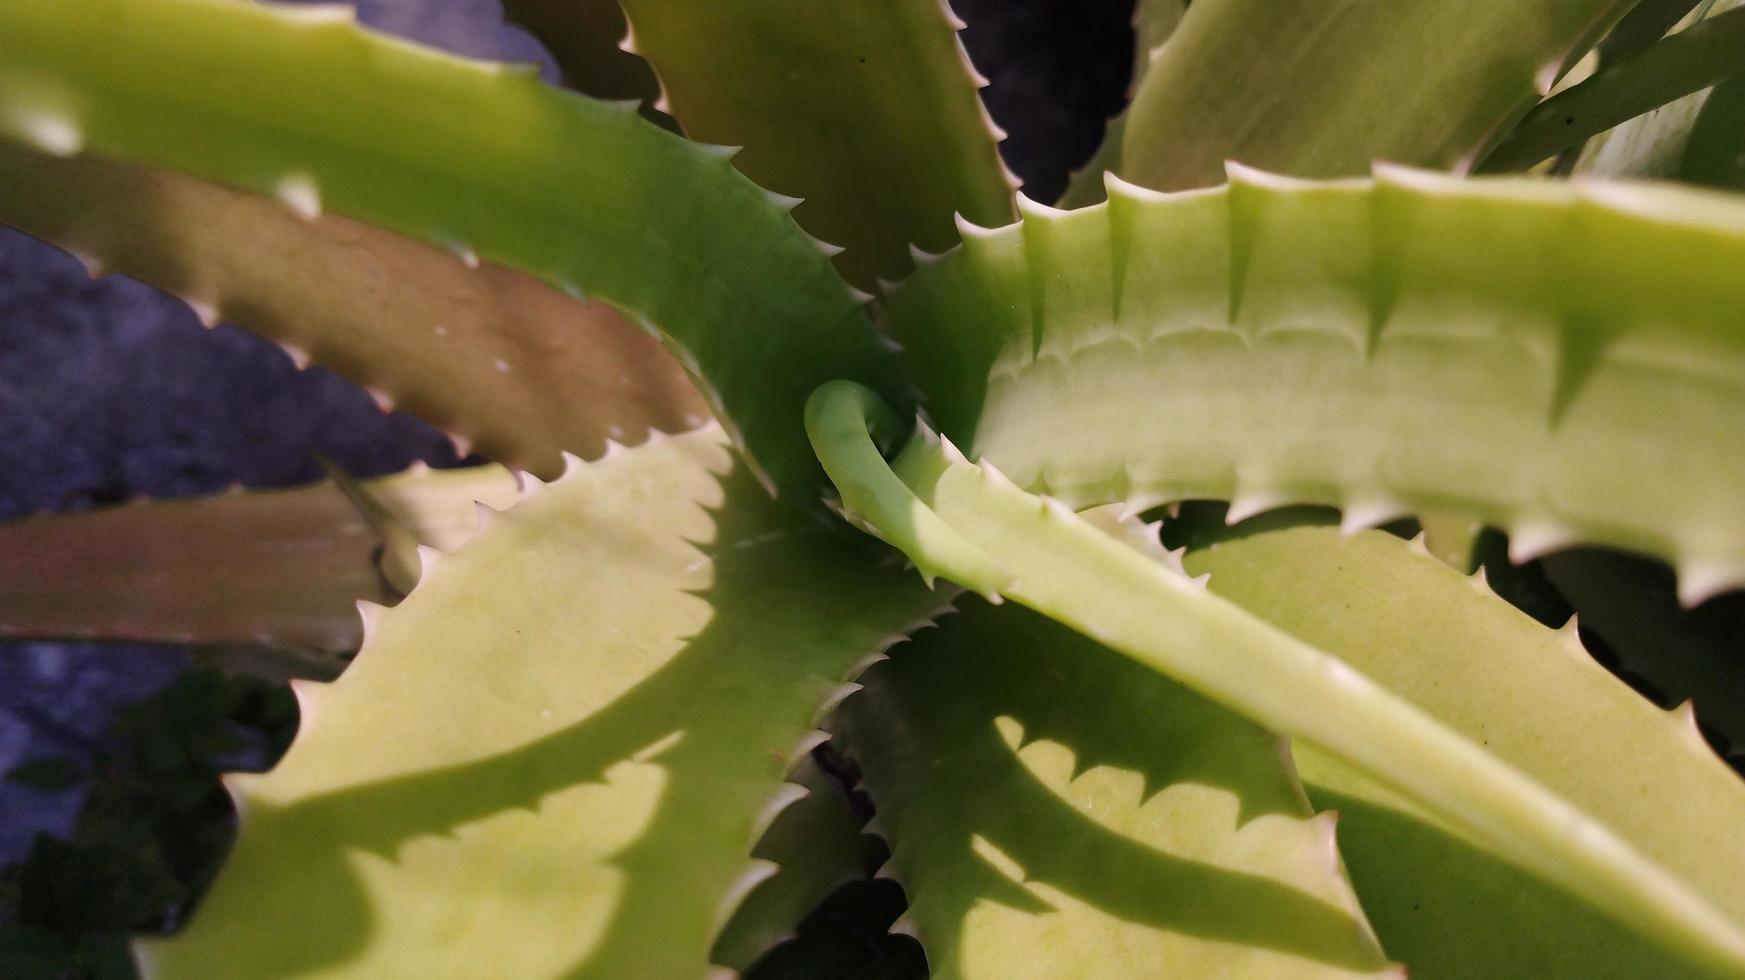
(1534, 698)
(1699, 139)
(1057, 810)
(555, 756)
(1566, 362)
(279, 568)
(866, 111)
(1709, 51)
(818, 845)
(477, 157)
(1324, 89)
(506, 364)
(970, 524)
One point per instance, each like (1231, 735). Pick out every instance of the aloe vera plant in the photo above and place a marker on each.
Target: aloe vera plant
(866, 384)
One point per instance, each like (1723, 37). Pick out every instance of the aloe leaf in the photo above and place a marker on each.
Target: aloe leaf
(1049, 559)
(555, 756)
(478, 157)
(587, 37)
(818, 845)
(1057, 810)
(866, 111)
(1709, 51)
(1648, 21)
(506, 364)
(278, 568)
(1530, 354)
(1537, 701)
(1324, 89)
(1699, 139)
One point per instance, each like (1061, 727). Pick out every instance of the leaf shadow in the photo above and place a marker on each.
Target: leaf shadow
(793, 609)
(988, 668)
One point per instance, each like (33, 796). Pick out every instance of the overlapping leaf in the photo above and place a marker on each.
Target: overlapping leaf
(866, 111)
(1709, 51)
(972, 525)
(555, 756)
(480, 158)
(1699, 139)
(1056, 810)
(1324, 89)
(1562, 361)
(505, 363)
(1534, 698)
(278, 568)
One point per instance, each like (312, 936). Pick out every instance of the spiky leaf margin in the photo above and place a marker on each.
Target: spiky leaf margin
(556, 755)
(1055, 810)
(478, 157)
(1563, 361)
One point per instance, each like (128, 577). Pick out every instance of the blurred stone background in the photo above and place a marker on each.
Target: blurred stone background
(109, 390)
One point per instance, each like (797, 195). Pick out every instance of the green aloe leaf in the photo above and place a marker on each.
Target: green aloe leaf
(969, 523)
(481, 158)
(868, 112)
(504, 363)
(555, 756)
(1699, 139)
(1057, 810)
(1324, 89)
(1531, 354)
(1709, 51)
(818, 844)
(1536, 700)
(1648, 21)
(277, 568)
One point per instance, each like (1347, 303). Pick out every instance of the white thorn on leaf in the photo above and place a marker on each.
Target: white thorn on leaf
(299, 193)
(969, 229)
(94, 266)
(1699, 581)
(837, 695)
(463, 446)
(428, 561)
(1248, 503)
(785, 796)
(787, 202)
(484, 515)
(573, 464)
(994, 476)
(1116, 187)
(204, 311)
(55, 135)
(1685, 718)
(757, 871)
(1362, 515)
(1134, 504)
(1532, 538)
(383, 400)
(299, 357)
